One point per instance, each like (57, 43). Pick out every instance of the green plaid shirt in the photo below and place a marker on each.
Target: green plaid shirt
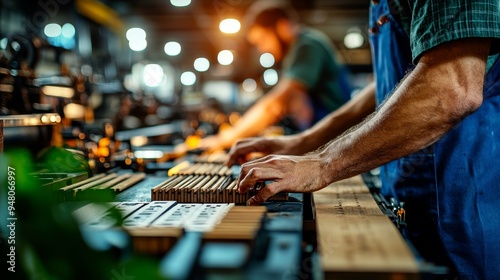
(430, 23)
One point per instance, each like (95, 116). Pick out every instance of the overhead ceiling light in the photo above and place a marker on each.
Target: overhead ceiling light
(270, 77)
(354, 39)
(3, 43)
(138, 46)
(68, 30)
(152, 75)
(201, 64)
(188, 78)
(225, 57)
(230, 25)
(136, 34)
(249, 85)
(180, 3)
(172, 48)
(267, 60)
(52, 30)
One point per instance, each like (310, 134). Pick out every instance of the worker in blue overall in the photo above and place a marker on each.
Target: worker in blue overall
(435, 131)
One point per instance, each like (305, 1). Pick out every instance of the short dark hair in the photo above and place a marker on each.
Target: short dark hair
(268, 13)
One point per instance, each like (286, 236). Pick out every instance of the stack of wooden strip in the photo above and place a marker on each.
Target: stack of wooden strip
(203, 183)
(99, 185)
(154, 241)
(241, 224)
(199, 189)
(184, 168)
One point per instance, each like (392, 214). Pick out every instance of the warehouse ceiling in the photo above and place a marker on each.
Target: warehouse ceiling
(195, 27)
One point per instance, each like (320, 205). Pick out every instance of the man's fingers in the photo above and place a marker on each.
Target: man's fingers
(258, 170)
(254, 175)
(238, 152)
(264, 194)
(252, 147)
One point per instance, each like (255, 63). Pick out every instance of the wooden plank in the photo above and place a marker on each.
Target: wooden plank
(355, 237)
(351, 200)
(363, 244)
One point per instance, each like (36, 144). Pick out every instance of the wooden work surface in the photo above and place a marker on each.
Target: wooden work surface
(355, 237)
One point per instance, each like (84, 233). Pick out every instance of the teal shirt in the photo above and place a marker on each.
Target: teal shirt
(433, 22)
(311, 61)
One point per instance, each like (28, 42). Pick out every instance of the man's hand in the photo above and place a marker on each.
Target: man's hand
(289, 173)
(242, 150)
(445, 87)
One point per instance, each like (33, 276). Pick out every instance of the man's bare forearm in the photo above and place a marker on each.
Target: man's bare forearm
(256, 119)
(337, 122)
(266, 112)
(444, 88)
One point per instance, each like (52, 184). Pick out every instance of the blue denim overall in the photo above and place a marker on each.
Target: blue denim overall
(451, 189)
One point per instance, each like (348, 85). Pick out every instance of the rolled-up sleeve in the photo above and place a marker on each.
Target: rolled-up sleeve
(434, 22)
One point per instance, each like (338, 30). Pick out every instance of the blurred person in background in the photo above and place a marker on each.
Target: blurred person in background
(313, 82)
